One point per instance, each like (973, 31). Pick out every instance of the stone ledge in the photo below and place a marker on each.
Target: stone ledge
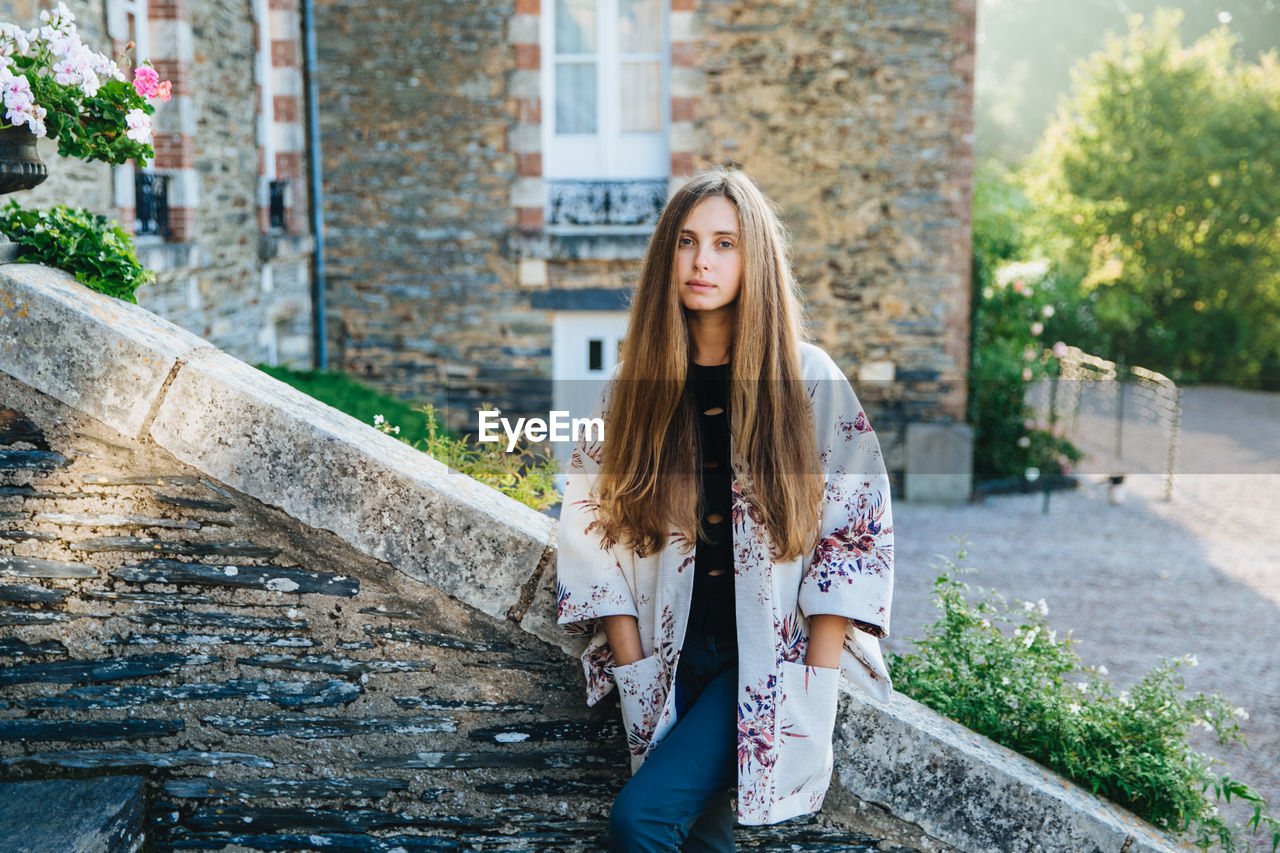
(115, 364)
(269, 441)
(934, 783)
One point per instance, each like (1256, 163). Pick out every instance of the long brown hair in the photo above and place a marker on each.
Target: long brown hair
(648, 487)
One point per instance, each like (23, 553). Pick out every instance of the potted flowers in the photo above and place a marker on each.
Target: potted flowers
(53, 85)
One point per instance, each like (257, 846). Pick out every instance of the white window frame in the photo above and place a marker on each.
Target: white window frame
(608, 153)
(576, 385)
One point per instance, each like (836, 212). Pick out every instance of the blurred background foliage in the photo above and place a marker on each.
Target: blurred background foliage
(1147, 213)
(1026, 49)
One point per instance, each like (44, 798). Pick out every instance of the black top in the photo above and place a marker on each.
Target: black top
(711, 611)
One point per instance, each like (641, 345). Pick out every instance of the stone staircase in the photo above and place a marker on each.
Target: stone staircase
(304, 635)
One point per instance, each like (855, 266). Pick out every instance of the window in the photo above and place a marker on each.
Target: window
(275, 208)
(605, 82)
(584, 351)
(151, 204)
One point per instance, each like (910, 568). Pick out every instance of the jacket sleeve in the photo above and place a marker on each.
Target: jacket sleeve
(850, 572)
(591, 571)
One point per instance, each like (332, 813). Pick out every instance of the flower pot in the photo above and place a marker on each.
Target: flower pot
(20, 164)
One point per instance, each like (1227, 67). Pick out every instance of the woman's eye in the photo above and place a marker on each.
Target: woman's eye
(685, 241)
(726, 244)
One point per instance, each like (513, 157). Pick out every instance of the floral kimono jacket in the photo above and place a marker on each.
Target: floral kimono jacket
(786, 711)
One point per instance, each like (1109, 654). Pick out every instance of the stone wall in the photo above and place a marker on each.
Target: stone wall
(414, 118)
(853, 117)
(246, 290)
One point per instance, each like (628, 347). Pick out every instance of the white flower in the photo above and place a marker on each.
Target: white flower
(1124, 697)
(1037, 327)
(1101, 670)
(1082, 686)
(1024, 441)
(60, 18)
(1189, 660)
(1047, 311)
(1053, 637)
(1028, 606)
(13, 39)
(17, 92)
(1005, 681)
(379, 420)
(60, 43)
(139, 126)
(1029, 270)
(1074, 707)
(1031, 637)
(1042, 608)
(1240, 713)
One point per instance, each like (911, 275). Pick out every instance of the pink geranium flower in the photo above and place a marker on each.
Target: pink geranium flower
(145, 81)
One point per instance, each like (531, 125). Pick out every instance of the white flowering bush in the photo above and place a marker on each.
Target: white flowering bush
(999, 669)
(56, 86)
(1015, 303)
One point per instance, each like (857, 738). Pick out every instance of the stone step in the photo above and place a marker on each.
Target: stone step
(35, 567)
(269, 578)
(106, 815)
(176, 547)
(30, 593)
(286, 694)
(32, 460)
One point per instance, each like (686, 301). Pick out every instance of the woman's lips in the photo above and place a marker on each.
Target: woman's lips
(699, 286)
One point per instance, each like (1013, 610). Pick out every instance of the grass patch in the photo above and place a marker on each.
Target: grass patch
(525, 474)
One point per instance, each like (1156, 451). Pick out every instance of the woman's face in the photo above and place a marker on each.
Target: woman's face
(709, 256)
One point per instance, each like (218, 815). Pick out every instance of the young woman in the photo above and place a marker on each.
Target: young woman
(729, 545)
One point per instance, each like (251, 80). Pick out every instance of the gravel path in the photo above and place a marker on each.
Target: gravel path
(1199, 574)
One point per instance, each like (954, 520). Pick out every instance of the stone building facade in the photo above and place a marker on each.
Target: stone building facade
(221, 212)
(493, 170)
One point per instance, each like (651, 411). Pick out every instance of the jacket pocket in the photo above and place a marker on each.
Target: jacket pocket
(806, 720)
(641, 695)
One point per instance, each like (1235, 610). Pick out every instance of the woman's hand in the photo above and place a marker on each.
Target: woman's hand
(624, 638)
(826, 639)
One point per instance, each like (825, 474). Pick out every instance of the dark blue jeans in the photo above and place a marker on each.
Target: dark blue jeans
(679, 799)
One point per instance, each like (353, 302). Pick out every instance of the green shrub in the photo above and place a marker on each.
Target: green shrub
(1000, 670)
(98, 252)
(1013, 301)
(525, 475)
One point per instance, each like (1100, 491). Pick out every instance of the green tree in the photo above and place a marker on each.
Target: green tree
(1155, 188)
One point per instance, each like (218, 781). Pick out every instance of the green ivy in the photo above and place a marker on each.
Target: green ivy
(1000, 670)
(98, 252)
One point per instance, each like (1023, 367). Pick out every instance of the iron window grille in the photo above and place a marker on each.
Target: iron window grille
(605, 204)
